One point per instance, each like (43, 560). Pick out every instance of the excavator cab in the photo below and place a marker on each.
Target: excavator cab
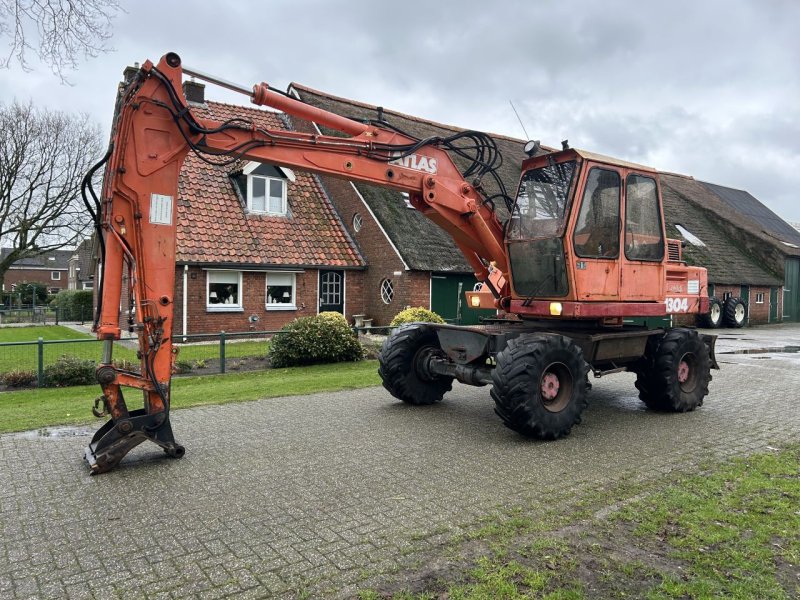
(585, 228)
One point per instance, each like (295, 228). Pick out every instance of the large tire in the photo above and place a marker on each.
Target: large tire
(398, 359)
(540, 385)
(713, 318)
(735, 312)
(675, 372)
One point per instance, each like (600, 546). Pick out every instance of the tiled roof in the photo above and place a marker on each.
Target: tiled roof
(214, 228)
(43, 260)
(744, 203)
(727, 260)
(421, 243)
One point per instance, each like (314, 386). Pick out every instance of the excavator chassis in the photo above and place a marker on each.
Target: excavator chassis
(115, 439)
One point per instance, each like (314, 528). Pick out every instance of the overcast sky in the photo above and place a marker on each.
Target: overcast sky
(709, 89)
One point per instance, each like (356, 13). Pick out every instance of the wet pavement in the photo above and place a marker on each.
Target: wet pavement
(324, 494)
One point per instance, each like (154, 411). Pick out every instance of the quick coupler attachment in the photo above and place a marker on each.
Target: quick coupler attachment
(115, 439)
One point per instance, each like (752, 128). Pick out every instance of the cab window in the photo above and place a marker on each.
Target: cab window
(597, 229)
(643, 233)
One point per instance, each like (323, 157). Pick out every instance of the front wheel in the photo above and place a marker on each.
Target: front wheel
(400, 358)
(540, 385)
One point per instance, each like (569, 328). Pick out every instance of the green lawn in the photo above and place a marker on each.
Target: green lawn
(31, 409)
(31, 334)
(730, 531)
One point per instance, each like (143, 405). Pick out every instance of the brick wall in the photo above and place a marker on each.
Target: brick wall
(202, 320)
(15, 276)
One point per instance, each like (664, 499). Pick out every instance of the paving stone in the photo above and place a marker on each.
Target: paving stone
(316, 494)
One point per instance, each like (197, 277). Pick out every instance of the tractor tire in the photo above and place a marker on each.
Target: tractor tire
(398, 358)
(713, 318)
(540, 385)
(735, 312)
(675, 372)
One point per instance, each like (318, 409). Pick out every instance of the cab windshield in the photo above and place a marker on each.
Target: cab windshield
(540, 208)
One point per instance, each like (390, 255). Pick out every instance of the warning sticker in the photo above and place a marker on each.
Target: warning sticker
(160, 209)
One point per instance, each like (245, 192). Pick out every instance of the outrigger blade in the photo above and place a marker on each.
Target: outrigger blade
(115, 439)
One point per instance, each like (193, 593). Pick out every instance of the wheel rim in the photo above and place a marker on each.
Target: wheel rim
(555, 387)
(738, 313)
(687, 374)
(716, 313)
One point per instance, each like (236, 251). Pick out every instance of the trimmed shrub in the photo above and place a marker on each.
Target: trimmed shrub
(415, 315)
(312, 340)
(74, 304)
(18, 378)
(69, 370)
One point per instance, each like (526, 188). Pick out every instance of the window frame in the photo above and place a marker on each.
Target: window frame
(267, 181)
(270, 306)
(660, 213)
(387, 284)
(53, 275)
(238, 307)
(615, 256)
(761, 296)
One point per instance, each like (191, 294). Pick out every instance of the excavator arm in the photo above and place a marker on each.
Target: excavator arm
(154, 129)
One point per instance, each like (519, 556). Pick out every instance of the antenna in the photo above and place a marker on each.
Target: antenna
(527, 137)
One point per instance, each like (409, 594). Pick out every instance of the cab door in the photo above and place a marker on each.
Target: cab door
(596, 237)
(642, 264)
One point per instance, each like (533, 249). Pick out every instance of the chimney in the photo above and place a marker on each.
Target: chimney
(194, 92)
(129, 73)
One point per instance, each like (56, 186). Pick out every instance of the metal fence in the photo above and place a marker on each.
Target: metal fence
(44, 315)
(198, 354)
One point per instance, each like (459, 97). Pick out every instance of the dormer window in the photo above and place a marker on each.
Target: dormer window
(266, 195)
(263, 187)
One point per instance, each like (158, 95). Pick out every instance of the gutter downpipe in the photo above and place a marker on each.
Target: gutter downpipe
(185, 297)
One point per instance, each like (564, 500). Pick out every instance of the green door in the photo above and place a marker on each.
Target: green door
(791, 290)
(745, 296)
(448, 300)
(773, 304)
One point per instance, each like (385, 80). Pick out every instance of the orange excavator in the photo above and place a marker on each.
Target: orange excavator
(580, 247)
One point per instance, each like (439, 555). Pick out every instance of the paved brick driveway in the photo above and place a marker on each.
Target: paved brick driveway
(311, 494)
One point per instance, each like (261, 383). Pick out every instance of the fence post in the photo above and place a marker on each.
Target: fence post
(221, 351)
(57, 309)
(40, 365)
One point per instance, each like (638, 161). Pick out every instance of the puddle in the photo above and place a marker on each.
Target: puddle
(52, 433)
(771, 350)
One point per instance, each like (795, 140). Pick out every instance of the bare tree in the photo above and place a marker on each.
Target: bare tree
(57, 31)
(43, 157)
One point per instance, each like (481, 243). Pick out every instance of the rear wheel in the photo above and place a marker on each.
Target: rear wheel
(675, 372)
(399, 360)
(540, 385)
(735, 312)
(713, 318)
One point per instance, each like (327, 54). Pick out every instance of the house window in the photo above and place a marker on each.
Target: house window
(760, 298)
(266, 195)
(357, 222)
(55, 275)
(224, 291)
(88, 285)
(281, 291)
(387, 291)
